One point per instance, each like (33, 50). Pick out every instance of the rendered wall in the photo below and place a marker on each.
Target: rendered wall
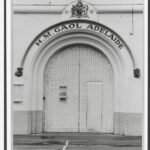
(26, 26)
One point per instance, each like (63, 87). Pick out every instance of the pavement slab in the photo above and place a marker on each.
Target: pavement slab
(88, 141)
(74, 147)
(78, 139)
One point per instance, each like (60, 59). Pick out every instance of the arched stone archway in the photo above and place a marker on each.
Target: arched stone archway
(74, 26)
(36, 57)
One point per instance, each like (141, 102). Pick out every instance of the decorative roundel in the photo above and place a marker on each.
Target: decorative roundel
(79, 10)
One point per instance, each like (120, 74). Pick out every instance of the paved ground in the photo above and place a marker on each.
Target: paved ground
(77, 141)
(58, 147)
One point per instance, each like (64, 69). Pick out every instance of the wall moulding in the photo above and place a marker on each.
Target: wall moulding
(101, 9)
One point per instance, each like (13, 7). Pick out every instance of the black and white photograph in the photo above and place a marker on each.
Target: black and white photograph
(78, 74)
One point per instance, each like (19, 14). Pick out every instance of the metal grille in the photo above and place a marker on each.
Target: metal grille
(62, 70)
(95, 67)
(67, 109)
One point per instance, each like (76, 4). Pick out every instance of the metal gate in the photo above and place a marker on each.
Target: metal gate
(78, 91)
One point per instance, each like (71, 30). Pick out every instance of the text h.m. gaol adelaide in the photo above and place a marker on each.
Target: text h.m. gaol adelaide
(78, 66)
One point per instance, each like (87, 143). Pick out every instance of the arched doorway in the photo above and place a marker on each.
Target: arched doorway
(78, 87)
(37, 57)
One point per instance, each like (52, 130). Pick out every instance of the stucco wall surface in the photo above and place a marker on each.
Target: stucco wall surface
(128, 24)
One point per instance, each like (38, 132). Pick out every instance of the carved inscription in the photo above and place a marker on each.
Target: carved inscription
(79, 25)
